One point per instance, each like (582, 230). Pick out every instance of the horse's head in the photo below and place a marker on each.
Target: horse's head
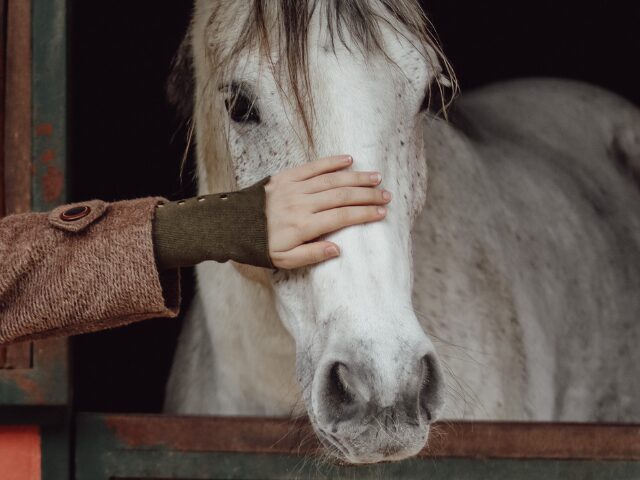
(282, 81)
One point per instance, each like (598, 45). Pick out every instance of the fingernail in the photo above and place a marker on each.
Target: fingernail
(386, 195)
(347, 159)
(382, 211)
(331, 252)
(376, 177)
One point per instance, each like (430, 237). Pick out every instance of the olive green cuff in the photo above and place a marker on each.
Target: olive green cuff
(219, 227)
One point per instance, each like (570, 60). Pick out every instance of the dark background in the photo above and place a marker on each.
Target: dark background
(126, 142)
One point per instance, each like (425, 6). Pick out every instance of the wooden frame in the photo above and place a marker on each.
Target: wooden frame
(34, 376)
(168, 447)
(34, 101)
(3, 44)
(16, 133)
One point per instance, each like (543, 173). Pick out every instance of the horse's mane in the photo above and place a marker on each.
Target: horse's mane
(355, 20)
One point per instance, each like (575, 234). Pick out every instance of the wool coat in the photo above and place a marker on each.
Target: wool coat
(95, 265)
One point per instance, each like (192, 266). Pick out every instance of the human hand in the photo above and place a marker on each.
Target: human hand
(314, 199)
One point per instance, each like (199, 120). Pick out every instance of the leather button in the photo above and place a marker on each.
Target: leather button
(75, 213)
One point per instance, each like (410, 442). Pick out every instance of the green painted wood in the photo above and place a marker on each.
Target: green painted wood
(40, 395)
(49, 103)
(101, 454)
(48, 190)
(47, 382)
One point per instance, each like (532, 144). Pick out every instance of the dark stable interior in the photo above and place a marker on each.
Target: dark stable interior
(125, 141)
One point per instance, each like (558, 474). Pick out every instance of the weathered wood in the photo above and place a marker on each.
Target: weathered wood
(49, 141)
(15, 163)
(165, 447)
(17, 356)
(3, 24)
(46, 384)
(35, 122)
(452, 439)
(17, 133)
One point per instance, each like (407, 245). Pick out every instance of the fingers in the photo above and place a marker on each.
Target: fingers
(347, 196)
(315, 199)
(318, 167)
(306, 254)
(337, 218)
(329, 181)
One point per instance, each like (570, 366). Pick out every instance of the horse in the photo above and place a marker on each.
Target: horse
(504, 279)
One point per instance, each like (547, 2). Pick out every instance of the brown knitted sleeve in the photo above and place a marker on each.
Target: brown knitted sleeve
(81, 268)
(220, 227)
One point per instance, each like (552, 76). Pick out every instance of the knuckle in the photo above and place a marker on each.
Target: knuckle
(343, 215)
(329, 180)
(342, 195)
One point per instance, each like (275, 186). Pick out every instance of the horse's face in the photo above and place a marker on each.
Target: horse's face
(369, 375)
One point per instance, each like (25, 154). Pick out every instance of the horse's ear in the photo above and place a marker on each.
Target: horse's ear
(180, 85)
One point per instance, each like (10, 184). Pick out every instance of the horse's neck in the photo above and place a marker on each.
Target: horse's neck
(461, 293)
(254, 355)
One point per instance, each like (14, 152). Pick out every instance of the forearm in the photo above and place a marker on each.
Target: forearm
(62, 275)
(219, 227)
(94, 265)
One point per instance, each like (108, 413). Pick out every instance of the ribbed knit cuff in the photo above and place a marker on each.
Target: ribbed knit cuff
(219, 227)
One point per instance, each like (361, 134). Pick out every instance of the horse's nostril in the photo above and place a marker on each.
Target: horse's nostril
(344, 391)
(431, 390)
(337, 385)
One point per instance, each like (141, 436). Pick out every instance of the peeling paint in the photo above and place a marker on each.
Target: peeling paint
(52, 184)
(44, 130)
(48, 155)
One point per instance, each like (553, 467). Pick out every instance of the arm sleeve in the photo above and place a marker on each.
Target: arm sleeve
(220, 227)
(80, 268)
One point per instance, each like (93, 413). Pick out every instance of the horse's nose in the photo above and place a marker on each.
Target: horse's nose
(354, 393)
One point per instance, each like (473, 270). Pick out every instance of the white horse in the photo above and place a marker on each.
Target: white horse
(525, 269)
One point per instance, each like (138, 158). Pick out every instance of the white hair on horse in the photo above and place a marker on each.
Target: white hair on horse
(524, 266)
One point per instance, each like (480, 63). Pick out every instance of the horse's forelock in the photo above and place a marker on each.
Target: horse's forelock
(349, 22)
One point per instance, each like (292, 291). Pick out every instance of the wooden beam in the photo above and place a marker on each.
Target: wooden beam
(15, 129)
(501, 440)
(17, 133)
(3, 37)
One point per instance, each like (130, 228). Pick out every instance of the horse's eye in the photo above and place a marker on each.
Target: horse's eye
(242, 109)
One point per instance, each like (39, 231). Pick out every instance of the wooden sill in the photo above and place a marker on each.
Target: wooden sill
(501, 440)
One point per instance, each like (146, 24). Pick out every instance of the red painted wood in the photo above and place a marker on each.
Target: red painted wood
(20, 453)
